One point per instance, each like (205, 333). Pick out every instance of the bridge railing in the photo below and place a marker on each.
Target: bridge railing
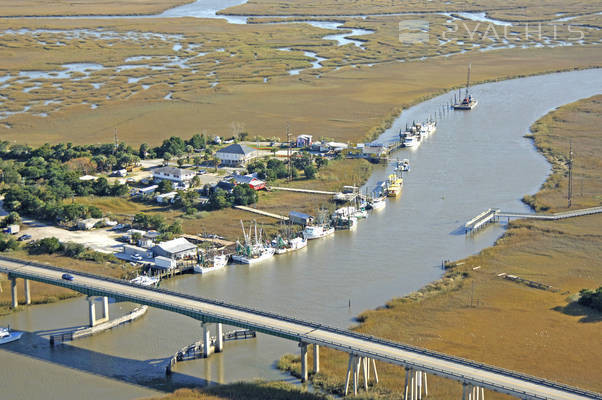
(314, 325)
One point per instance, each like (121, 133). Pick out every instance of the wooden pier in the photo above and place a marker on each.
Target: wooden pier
(480, 220)
(264, 213)
(310, 191)
(197, 349)
(493, 215)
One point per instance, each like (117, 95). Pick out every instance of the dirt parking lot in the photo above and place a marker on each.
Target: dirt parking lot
(101, 240)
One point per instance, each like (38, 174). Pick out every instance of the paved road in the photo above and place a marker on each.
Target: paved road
(522, 386)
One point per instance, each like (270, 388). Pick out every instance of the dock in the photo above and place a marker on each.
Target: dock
(197, 349)
(310, 191)
(493, 215)
(81, 333)
(200, 239)
(264, 213)
(480, 220)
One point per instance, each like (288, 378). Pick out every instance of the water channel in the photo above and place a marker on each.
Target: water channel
(474, 161)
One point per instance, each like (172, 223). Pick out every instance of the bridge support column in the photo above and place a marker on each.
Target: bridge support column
(13, 291)
(351, 360)
(304, 372)
(207, 345)
(92, 311)
(219, 338)
(316, 358)
(27, 292)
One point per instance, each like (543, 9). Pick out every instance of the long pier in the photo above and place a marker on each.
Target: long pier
(311, 191)
(362, 349)
(492, 215)
(260, 212)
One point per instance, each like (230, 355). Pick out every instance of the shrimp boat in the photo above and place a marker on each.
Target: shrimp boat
(411, 141)
(395, 185)
(7, 336)
(252, 252)
(284, 246)
(468, 102)
(319, 230)
(203, 266)
(403, 165)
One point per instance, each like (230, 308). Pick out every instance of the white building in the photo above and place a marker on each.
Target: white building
(166, 197)
(175, 249)
(236, 154)
(173, 174)
(304, 140)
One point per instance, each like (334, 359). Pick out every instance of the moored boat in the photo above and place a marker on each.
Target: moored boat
(145, 280)
(7, 335)
(252, 252)
(284, 246)
(394, 186)
(317, 231)
(468, 102)
(378, 203)
(219, 262)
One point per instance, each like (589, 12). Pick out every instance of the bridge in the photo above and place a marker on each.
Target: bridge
(363, 350)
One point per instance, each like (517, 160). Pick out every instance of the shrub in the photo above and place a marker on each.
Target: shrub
(49, 245)
(591, 298)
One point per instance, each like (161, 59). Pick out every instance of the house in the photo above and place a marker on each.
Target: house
(175, 249)
(166, 198)
(250, 180)
(236, 154)
(304, 140)
(299, 218)
(147, 190)
(319, 147)
(173, 174)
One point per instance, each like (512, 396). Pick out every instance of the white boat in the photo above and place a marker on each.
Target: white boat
(403, 165)
(291, 245)
(257, 254)
(7, 336)
(317, 231)
(144, 280)
(219, 262)
(345, 223)
(378, 203)
(252, 252)
(411, 141)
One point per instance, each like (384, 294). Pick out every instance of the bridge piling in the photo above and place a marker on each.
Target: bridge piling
(351, 357)
(316, 358)
(219, 338)
(207, 345)
(304, 372)
(13, 291)
(27, 292)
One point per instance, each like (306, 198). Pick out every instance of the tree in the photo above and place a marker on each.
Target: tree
(219, 199)
(48, 245)
(180, 162)
(197, 141)
(196, 160)
(143, 151)
(165, 186)
(196, 181)
(8, 243)
(167, 157)
(321, 162)
(310, 172)
(175, 228)
(12, 218)
(244, 195)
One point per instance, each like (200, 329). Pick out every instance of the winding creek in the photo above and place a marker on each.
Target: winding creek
(474, 161)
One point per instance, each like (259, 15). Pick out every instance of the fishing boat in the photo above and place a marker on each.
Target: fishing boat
(144, 280)
(468, 102)
(411, 141)
(252, 251)
(403, 165)
(378, 203)
(7, 335)
(344, 222)
(219, 261)
(395, 185)
(287, 245)
(428, 127)
(317, 231)
(347, 194)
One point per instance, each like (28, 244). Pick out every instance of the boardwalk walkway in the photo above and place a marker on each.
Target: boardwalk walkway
(264, 213)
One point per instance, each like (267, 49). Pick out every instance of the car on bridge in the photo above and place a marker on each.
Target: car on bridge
(67, 277)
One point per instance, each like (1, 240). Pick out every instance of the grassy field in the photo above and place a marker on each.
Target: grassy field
(472, 312)
(15, 8)
(247, 391)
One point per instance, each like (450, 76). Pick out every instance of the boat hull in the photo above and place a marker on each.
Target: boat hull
(465, 106)
(14, 336)
(253, 260)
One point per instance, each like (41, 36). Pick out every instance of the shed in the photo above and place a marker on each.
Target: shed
(87, 224)
(299, 218)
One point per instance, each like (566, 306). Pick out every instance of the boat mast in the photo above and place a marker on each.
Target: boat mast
(468, 80)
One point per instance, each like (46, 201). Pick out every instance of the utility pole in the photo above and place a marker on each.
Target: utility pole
(570, 194)
(115, 134)
(290, 145)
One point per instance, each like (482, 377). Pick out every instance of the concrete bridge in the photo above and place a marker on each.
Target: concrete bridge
(363, 350)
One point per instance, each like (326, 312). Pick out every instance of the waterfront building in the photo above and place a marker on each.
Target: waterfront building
(236, 154)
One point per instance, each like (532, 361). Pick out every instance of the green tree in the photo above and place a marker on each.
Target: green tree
(321, 162)
(165, 186)
(219, 199)
(48, 245)
(310, 172)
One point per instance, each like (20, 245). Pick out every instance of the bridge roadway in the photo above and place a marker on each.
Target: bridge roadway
(207, 310)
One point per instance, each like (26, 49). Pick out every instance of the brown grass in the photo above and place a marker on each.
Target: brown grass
(473, 313)
(13, 8)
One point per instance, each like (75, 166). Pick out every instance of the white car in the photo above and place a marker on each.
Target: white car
(136, 257)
